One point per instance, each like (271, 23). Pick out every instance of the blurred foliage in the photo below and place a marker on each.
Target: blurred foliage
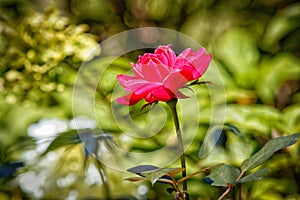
(255, 45)
(40, 53)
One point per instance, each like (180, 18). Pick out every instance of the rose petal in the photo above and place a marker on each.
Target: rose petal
(137, 71)
(186, 69)
(154, 72)
(163, 94)
(123, 79)
(124, 100)
(129, 83)
(145, 89)
(200, 60)
(150, 98)
(174, 81)
(166, 54)
(186, 53)
(129, 99)
(188, 60)
(202, 67)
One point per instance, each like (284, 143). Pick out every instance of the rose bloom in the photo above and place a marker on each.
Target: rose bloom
(158, 76)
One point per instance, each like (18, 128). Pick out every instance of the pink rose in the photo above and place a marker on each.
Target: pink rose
(158, 76)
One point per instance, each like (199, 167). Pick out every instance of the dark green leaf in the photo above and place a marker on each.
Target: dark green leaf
(63, 140)
(170, 190)
(260, 174)
(224, 175)
(233, 129)
(268, 150)
(141, 168)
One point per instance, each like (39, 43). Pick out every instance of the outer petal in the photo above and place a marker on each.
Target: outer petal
(137, 70)
(186, 53)
(199, 60)
(174, 81)
(163, 94)
(129, 83)
(145, 89)
(160, 94)
(150, 98)
(124, 100)
(124, 79)
(129, 99)
(202, 67)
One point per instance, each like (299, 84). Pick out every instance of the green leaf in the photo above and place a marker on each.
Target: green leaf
(268, 150)
(142, 168)
(274, 72)
(280, 25)
(224, 175)
(63, 139)
(156, 174)
(292, 114)
(237, 49)
(260, 174)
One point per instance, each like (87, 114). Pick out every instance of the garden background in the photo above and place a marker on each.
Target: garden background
(255, 45)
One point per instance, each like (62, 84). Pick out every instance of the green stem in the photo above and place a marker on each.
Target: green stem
(231, 186)
(172, 105)
(225, 193)
(103, 177)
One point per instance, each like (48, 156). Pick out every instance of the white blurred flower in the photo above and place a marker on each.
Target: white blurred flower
(92, 175)
(47, 128)
(45, 131)
(82, 122)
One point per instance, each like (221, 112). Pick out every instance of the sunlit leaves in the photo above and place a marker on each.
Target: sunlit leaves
(281, 25)
(274, 72)
(237, 49)
(159, 10)
(98, 10)
(43, 52)
(292, 114)
(154, 174)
